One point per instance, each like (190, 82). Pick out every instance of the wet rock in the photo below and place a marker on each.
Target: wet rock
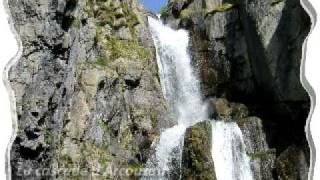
(221, 109)
(262, 158)
(197, 160)
(292, 164)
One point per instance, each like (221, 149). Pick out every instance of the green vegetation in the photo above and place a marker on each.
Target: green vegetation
(48, 137)
(102, 61)
(196, 152)
(222, 8)
(111, 46)
(76, 23)
(275, 2)
(186, 14)
(116, 17)
(163, 10)
(131, 18)
(154, 119)
(126, 49)
(261, 154)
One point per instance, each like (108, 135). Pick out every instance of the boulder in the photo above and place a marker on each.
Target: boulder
(197, 160)
(293, 164)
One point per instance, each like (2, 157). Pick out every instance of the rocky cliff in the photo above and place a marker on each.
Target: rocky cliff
(87, 89)
(88, 95)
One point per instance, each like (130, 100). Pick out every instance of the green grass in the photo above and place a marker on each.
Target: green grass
(222, 8)
(102, 61)
(126, 49)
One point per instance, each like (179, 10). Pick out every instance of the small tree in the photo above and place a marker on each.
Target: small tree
(163, 10)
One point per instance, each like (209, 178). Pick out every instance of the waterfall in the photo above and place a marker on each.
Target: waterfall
(181, 89)
(228, 152)
(179, 84)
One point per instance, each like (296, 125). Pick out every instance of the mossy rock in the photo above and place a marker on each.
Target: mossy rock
(197, 160)
(186, 14)
(222, 8)
(292, 164)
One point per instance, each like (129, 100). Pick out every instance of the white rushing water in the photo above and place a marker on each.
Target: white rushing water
(181, 90)
(179, 84)
(228, 152)
(182, 93)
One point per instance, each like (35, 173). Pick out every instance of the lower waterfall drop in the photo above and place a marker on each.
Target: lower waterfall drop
(229, 153)
(181, 89)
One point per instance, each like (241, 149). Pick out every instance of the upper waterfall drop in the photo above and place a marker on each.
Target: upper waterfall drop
(180, 86)
(181, 90)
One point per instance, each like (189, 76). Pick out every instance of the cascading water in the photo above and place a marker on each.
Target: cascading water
(179, 84)
(228, 152)
(181, 90)
(182, 93)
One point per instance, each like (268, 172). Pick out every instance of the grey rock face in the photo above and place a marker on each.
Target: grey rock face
(261, 156)
(86, 87)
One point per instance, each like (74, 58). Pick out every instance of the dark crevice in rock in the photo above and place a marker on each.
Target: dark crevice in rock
(58, 85)
(64, 92)
(134, 128)
(59, 51)
(32, 134)
(132, 84)
(41, 121)
(84, 22)
(65, 19)
(28, 153)
(35, 114)
(115, 133)
(101, 85)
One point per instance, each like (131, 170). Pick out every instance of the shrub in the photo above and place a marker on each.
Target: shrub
(163, 10)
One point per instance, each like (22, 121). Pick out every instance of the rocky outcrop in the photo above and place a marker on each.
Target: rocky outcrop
(293, 164)
(262, 157)
(197, 160)
(250, 52)
(87, 91)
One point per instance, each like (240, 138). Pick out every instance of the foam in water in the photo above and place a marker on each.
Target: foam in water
(182, 93)
(228, 152)
(179, 84)
(181, 90)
